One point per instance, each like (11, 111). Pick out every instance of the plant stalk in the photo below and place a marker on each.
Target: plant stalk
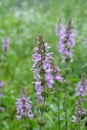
(66, 102)
(42, 111)
(79, 128)
(66, 115)
(25, 127)
(58, 106)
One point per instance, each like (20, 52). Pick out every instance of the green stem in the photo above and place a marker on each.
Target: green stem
(40, 128)
(66, 102)
(25, 127)
(59, 115)
(79, 128)
(66, 117)
(58, 105)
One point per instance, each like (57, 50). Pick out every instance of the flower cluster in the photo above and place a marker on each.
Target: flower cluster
(1, 84)
(66, 42)
(79, 111)
(5, 45)
(58, 28)
(56, 72)
(24, 107)
(81, 89)
(42, 67)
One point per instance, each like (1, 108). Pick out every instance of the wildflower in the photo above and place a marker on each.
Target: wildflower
(58, 28)
(85, 41)
(56, 72)
(24, 107)
(81, 89)
(5, 45)
(1, 94)
(42, 67)
(74, 119)
(66, 42)
(38, 88)
(79, 111)
(1, 84)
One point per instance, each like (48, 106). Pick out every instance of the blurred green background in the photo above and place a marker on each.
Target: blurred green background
(21, 21)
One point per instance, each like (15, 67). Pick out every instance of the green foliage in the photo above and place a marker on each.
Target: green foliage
(22, 21)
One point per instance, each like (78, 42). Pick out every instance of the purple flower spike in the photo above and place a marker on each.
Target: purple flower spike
(66, 42)
(42, 67)
(56, 72)
(81, 89)
(79, 111)
(24, 107)
(1, 84)
(5, 45)
(58, 28)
